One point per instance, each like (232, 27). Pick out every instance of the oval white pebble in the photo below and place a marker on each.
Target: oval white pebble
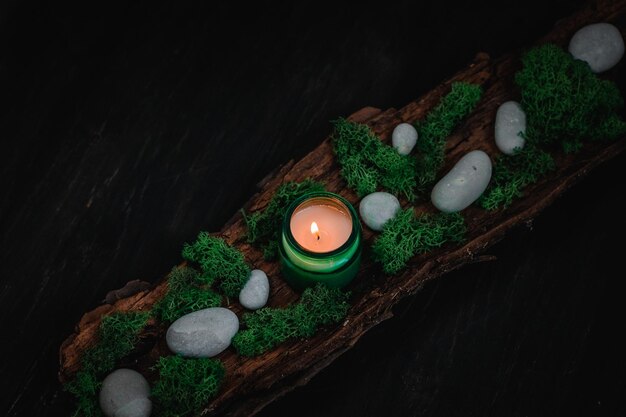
(376, 209)
(510, 125)
(203, 333)
(465, 182)
(255, 293)
(404, 138)
(600, 45)
(125, 393)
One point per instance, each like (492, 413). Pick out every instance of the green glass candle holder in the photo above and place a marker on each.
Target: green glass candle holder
(304, 268)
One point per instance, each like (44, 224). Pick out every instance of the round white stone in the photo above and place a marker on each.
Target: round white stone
(254, 294)
(600, 45)
(203, 333)
(404, 138)
(510, 125)
(465, 182)
(376, 209)
(125, 393)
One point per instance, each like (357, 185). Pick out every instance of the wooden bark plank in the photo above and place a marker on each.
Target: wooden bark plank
(251, 383)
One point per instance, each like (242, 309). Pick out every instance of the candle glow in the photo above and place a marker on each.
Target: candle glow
(321, 228)
(315, 230)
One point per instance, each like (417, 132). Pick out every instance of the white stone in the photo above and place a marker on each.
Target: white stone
(465, 182)
(125, 393)
(203, 333)
(255, 293)
(600, 45)
(404, 138)
(510, 125)
(376, 209)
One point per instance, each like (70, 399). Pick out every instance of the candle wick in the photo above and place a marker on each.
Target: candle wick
(318, 237)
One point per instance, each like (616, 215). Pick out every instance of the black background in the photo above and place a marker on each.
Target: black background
(125, 130)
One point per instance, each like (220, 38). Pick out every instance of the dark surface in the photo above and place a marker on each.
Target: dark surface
(125, 131)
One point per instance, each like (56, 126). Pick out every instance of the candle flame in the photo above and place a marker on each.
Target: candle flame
(315, 230)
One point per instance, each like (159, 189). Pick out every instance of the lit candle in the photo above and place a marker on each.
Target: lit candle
(321, 241)
(321, 228)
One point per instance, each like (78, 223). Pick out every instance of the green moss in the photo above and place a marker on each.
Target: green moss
(512, 173)
(117, 336)
(565, 102)
(268, 327)
(406, 235)
(185, 294)
(85, 388)
(185, 386)
(438, 125)
(219, 262)
(368, 164)
(264, 225)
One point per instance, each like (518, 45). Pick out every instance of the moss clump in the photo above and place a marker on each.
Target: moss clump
(512, 173)
(85, 388)
(438, 125)
(185, 386)
(117, 336)
(218, 261)
(264, 225)
(406, 235)
(185, 294)
(268, 327)
(565, 102)
(368, 164)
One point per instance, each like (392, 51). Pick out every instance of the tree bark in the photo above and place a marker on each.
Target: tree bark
(251, 383)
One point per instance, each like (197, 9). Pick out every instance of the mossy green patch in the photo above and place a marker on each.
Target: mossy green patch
(512, 173)
(565, 102)
(219, 262)
(268, 327)
(264, 225)
(185, 294)
(85, 388)
(116, 338)
(406, 235)
(368, 164)
(185, 386)
(438, 125)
